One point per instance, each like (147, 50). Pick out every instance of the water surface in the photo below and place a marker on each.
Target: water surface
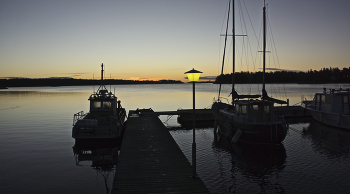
(37, 155)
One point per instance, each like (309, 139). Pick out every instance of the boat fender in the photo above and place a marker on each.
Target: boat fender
(236, 136)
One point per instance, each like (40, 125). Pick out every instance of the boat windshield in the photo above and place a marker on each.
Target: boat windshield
(97, 105)
(107, 105)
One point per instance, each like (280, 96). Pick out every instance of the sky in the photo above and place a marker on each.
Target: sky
(162, 39)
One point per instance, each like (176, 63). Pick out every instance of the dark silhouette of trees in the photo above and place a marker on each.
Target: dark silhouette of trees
(325, 75)
(27, 82)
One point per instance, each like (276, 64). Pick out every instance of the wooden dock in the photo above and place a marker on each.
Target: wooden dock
(150, 161)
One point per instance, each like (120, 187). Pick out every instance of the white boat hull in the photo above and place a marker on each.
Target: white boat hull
(332, 119)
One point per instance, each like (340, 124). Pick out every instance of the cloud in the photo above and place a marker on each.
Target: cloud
(13, 78)
(145, 79)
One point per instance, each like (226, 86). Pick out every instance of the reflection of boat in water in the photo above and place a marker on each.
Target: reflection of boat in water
(252, 120)
(327, 139)
(331, 107)
(253, 159)
(105, 119)
(103, 155)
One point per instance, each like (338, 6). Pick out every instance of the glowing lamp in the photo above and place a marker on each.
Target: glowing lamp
(193, 75)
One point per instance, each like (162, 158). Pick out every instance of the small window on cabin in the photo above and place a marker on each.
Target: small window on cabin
(244, 109)
(237, 108)
(96, 105)
(345, 99)
(328, 99)
(323, 98)
(107, 105)
(318, 98)
(267, 109)
(255, 108)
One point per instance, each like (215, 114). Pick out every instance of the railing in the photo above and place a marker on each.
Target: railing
(78, 116)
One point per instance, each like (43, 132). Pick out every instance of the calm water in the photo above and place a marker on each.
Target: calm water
(36, 146)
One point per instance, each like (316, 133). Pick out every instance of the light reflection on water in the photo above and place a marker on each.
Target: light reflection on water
(37, 157)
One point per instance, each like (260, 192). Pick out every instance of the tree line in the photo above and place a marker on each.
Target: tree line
(325, 75)
(27, 82)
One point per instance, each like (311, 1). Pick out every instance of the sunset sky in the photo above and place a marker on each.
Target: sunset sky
(162, 39)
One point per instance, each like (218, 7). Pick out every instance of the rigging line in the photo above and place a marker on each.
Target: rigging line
(275, 57)
(275, 49)
(223, 59)
(257, 40)
(271, 59)
(222, 26)
(247, 46)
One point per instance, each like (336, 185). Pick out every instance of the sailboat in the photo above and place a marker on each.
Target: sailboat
(249, 118)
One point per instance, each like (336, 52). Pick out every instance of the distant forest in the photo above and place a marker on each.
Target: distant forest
(27, 82)
(325, 75)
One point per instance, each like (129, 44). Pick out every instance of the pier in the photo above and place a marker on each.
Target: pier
(150, 161)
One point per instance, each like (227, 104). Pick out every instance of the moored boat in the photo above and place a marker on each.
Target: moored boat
(250, 120)
(331, 107)
(106, 117)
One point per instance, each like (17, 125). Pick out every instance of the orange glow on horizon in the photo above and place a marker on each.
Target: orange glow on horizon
(144, 79)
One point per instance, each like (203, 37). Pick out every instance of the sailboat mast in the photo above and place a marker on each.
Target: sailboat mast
(264, 45)
(233, 49)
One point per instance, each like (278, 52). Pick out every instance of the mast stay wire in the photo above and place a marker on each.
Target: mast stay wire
(220, 61)
(274, 56)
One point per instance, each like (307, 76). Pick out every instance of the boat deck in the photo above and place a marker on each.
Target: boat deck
(150, 161)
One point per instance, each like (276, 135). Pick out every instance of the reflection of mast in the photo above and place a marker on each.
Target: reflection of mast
(105, 174)
(251, 159)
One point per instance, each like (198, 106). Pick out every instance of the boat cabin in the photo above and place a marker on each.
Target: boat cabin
(334, 101)
(255, 110)
(103, 104)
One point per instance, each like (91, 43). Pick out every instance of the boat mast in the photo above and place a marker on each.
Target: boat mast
(264, 48)
(234, 51)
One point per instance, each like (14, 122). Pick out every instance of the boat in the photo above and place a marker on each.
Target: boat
(249, 118)
(331, 107)
(106, 117)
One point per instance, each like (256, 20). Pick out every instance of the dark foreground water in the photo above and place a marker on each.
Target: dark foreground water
(37, 155)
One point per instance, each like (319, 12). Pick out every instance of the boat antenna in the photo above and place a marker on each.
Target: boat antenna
(102, 72)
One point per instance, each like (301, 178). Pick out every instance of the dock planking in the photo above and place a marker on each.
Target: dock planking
(150, 161)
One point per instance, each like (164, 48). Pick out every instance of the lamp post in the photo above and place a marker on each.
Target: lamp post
(193, 76)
